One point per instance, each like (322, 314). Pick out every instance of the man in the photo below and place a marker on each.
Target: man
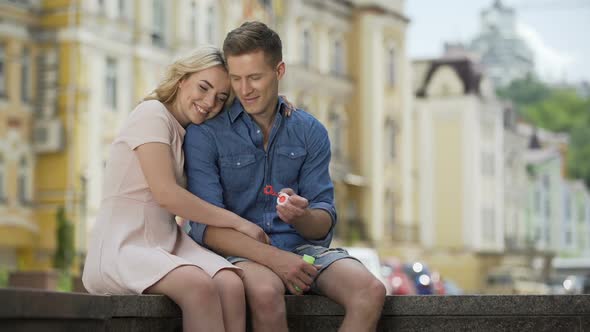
(233, 157)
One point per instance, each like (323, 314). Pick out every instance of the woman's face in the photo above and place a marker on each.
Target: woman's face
(202, 95)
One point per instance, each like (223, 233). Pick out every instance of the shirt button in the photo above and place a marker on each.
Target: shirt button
(292, 154)
(258, 131)
(268, 224)
(238, 163)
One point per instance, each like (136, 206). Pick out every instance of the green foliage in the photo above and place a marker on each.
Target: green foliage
(556, 109)
(524, 92)
(64, 252)
(561, 111)
(579, 152)
(64, 282)
(4, 273)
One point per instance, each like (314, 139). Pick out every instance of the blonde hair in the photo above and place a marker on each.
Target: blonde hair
(202, 58)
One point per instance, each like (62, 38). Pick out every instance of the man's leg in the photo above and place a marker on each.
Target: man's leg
(349, 283)
(265, 295)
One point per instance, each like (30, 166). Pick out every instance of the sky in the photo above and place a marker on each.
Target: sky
(557, 31)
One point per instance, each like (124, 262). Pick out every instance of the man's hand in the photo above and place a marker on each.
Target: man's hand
(294, 208)
(296, 274)
(254, 231)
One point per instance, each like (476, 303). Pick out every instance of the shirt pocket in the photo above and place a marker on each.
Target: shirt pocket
(237, 171)
(290, 161)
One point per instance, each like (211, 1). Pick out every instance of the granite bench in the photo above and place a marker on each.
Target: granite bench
(35, 310)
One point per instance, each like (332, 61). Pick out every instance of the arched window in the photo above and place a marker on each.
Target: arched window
(24, 178)
(306, 48)
(2, 71)
(194, 28)
(391, 137)
(211, 24)
(25, 87)
(390, 66)
(336, 133)
(158, 22)
(2, 180)
(338, 65)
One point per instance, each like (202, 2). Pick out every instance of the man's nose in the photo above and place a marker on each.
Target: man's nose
(245, 88)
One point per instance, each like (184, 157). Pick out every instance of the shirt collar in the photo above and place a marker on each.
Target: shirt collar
(236, 109)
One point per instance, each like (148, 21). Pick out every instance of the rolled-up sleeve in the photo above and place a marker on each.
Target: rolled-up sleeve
(202, 173)
(315, 182)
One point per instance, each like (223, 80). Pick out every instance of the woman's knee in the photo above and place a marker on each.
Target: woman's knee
(197, 287)
(229, 282)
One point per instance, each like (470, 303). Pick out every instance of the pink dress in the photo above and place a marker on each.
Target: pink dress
(135, 242)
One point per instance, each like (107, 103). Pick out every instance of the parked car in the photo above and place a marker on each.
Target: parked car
(420, 274)
(438, 286)
(399, 282)
(514, 280)
(451, 288)
(370, 259)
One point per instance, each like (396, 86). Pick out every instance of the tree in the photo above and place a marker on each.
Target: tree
(557, 109)
(65, 251)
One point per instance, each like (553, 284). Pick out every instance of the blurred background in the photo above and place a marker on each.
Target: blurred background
(460, 129)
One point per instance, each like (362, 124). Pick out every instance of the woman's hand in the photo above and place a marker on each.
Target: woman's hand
(254, 231)
(290, 107)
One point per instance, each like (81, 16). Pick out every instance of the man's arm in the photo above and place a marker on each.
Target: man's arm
(312, 212)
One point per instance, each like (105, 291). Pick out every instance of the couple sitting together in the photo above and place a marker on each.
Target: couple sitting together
(191, 150)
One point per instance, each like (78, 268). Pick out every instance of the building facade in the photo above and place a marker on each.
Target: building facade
(459, 164)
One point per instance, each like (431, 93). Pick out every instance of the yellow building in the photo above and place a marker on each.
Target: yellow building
(95, 60)
(19, 229)
(346, 64)
(459, 163)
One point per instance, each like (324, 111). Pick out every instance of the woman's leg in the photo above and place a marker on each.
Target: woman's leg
(233, 300)
(196, 294)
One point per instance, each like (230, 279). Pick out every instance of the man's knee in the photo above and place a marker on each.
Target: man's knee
(266, 299)
(370, 296)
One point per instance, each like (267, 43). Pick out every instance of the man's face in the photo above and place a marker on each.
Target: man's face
(255, 82)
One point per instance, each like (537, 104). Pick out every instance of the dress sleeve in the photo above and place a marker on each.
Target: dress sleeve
(146, 124)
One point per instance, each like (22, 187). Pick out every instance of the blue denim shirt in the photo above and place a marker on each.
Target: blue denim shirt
(226, 165)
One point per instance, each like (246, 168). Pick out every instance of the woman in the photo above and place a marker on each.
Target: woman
(136, 245)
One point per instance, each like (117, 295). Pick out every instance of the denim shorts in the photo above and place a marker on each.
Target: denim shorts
(324, 257)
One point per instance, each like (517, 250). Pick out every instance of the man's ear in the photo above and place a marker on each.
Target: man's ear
(281, 70)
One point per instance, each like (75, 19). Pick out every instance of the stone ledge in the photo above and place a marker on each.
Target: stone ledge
(27, 309)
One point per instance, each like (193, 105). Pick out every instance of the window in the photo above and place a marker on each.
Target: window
(567, 206)
(111, 83)
(390, 132)
(2, 180)
(194, 29)
(159, 22)
(2, 72)
(338, 60)
(26, 75)
(23, 181)
(211, 22)
(122, 7)
(336, 139)
(101, 6)
(306, 48)
(487, 163)
(391, 66)
(489, 224)
(266, 4)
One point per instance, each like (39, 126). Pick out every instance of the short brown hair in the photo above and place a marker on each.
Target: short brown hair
(251, 37)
